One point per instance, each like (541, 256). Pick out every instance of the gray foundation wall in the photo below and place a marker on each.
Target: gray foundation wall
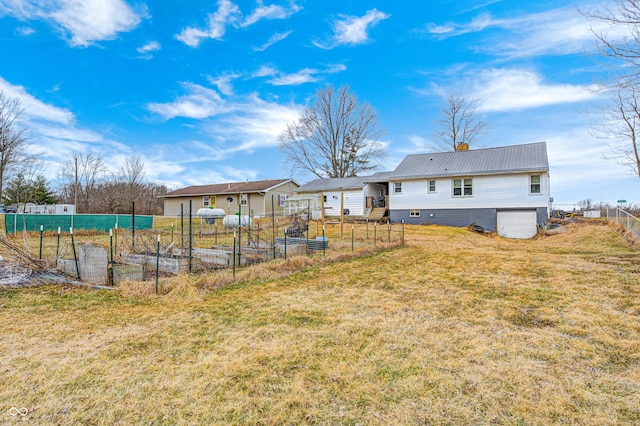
(542, 215)
(487, 218)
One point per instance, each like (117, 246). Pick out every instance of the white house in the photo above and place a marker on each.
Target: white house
(503, 189)
(355, 195)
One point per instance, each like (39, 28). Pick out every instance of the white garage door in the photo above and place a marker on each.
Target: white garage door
(517, 224)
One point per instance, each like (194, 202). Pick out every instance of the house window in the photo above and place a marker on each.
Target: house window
(414, 213)
(432, 186)
(205, 201)
(243, 200)
(397, 188)
(282, 199)
(462, 187)
(535, 184)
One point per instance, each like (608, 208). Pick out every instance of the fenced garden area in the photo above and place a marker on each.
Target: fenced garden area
(182, 245)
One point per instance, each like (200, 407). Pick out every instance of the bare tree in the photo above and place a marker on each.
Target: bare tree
(460, 125)
(620, 126)
(334, 137)
(621, 117)
(81, 175)
(131, 176)
(623, 51)
(15, 155)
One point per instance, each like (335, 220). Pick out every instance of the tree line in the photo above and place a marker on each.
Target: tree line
(84, 179)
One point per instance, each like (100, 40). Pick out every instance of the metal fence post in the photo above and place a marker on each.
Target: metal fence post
(111, 277)
(158, 264)
(41, 230)
(75, 256)
(324, 241)
(285, 243)
(352, 236)
(375, 229)
(58, 244)
(234, 254)
(190, 234)
(182, 226)
(133, 226)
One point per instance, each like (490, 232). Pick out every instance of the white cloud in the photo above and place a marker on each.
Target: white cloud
(269, 12)
(152, 46)
(306, 75)
(198, 103)
(25, 31)
(229, 14)
(512, 89)
(265, 71)
(516, 89)
(35, 109)
(86, 21)
(226, 14)
(255, 123)
(244, 123)
(558, 31)
(303, 76)
(352, 29)
(478, 23)
(223, 82)
(277, 37)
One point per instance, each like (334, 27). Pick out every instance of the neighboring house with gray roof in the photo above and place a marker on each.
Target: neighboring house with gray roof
(254, 198)
(504, 189)
(356, 195)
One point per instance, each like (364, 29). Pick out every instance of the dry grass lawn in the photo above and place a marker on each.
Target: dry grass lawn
(453, 328)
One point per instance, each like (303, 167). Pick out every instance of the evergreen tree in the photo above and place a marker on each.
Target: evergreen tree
(21, 190)
(42, 194)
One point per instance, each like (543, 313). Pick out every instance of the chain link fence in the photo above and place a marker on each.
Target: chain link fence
(623, 218)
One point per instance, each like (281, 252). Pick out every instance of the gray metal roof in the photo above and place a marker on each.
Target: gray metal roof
(507, 159)
(333, 184)
(378, 177)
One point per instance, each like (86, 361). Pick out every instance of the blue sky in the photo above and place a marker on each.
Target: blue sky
(202, 89)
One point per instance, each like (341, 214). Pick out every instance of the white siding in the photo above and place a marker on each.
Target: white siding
(374, 190)
(353, 200)
(495, 191)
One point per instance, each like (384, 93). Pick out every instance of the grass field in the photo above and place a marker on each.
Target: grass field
(453, 328)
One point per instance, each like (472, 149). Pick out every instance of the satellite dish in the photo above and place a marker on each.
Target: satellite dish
(230, 199)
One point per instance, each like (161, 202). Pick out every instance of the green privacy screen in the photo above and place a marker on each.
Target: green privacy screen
(51, 222)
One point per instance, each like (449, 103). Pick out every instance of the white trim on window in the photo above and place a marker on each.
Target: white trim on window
(535, 184)
(414, 213)
(463, 187)
(431, 186)
(397, 187)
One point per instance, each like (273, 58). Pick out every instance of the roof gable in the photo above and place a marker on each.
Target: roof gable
(499, 160)
(230, 188)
